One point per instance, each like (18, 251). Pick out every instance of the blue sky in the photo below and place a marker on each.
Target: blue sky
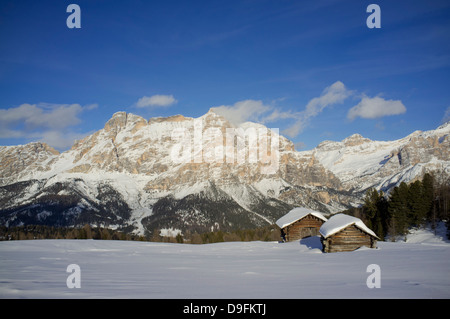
(313, 69)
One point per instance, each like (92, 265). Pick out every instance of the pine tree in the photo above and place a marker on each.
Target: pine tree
(428, 193)
(398, 210)
(179, 238)
(105, 235)
(370, 206)
(156, 237)
(196, 238)
(375, 212)
(415, 204)
(88, 231)
(382, 216)
(81, 233)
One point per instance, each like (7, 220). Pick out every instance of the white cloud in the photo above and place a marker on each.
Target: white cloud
(243, 111)
(31, 116)
(337, 93)
(279, 115)
(299, 145)
(257, 111)
(60, 140)
(334, 94)
(156, 101)
(46, 122)
(376, 107)
(446, 117)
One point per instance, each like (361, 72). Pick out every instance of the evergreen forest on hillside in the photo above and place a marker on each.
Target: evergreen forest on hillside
(408, 205)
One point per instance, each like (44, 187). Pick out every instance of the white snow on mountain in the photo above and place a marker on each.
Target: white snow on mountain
(361, 163)
(135, 158)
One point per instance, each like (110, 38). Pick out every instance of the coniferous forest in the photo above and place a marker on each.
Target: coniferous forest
(420, 203)
(268, 233)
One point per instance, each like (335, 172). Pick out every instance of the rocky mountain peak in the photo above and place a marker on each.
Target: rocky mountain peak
(214, 119)
(120, 120)
(355, 140)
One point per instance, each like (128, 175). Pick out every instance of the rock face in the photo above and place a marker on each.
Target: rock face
(199, 174)
(20, 162)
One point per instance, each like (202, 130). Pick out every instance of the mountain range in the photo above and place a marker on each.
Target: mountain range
(202, 174)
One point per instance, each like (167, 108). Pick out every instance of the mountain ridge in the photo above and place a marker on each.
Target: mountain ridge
(130, 174)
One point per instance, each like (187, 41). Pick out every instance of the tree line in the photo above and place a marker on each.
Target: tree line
(415, 204)
(51, 232)
(268, 233)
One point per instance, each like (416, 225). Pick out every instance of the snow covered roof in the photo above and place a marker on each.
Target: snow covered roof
(340, 221)
(296, 214)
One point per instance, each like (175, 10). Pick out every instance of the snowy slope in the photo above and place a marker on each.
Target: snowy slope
(251, 270)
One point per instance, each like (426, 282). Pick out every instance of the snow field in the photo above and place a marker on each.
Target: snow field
(266, 270)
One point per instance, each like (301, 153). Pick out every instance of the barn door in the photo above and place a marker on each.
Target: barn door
(309, 231)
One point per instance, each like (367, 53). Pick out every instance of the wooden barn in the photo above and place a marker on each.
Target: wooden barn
(346, 233)
(300, 223)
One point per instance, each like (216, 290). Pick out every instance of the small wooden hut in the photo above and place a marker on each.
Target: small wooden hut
(346, 233)
(299, 223)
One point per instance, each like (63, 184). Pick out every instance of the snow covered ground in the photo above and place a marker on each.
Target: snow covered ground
(250, 270)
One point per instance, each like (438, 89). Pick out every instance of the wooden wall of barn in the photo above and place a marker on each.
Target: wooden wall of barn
(348, 239)
(305, 227)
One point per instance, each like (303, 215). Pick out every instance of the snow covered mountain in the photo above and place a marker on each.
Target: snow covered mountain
(360, 163)
(200, 174)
